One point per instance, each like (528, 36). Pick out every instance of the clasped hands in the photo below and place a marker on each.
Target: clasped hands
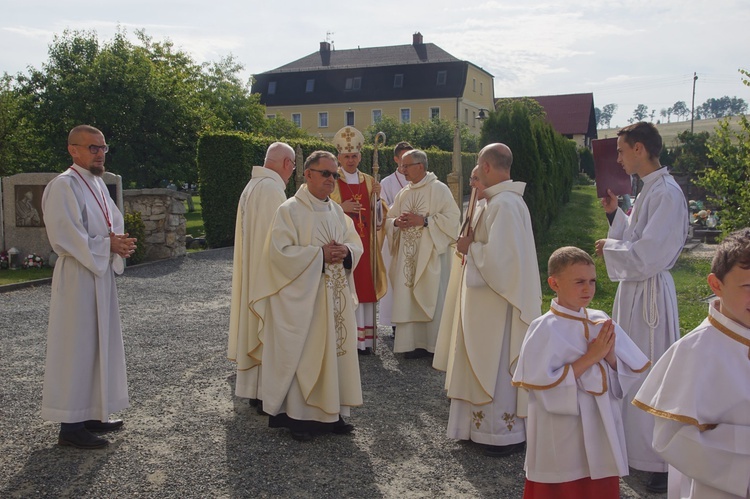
(334, 252)
(406, 220)
(122, 244)
(354, 207)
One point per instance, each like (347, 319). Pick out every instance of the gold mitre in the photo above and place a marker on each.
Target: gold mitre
(348, 140)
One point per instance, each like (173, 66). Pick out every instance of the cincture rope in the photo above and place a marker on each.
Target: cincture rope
(650, 311)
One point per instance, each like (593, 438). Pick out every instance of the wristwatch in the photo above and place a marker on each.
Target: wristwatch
(425, 222)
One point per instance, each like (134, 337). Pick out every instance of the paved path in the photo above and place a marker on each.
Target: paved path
(185, 434)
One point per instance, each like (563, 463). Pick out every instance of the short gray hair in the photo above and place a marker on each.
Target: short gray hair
(418, 156)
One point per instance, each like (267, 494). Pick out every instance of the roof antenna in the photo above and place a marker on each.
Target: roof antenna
(329, 34)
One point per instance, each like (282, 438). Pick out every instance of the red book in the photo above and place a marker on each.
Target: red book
(609, 174)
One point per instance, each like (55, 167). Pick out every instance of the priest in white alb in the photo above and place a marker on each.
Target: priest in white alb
(500, 296)
(639, 251)
(258, 203)
(421, 225)
(390, 186)
(306, 301)
(84, 375)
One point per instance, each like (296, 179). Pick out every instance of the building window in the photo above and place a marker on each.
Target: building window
(271, 88)
(474, 84)
(350, 118)
(323, 120)
(466, 116)
(474, 119)
(405, 115)
(297, 119)
(442, 77)
(377, 115)
(270, 116)
(481, 88)
(434, 113)
(398, 81)
(353, 83)
(310, 85)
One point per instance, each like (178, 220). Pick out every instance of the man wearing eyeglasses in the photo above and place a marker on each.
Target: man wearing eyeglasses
(421, 226)
(84, 375)
(306, 298)
(353, 192)
(262, 195)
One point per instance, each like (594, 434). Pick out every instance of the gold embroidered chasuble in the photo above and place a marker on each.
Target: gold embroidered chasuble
(415, 270)
(308, 325)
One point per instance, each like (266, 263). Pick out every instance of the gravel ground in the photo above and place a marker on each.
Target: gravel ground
(186, 436)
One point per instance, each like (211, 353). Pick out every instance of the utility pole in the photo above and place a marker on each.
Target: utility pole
(692, 108)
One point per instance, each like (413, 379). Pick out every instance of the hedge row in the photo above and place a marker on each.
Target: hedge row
(544, 159)
(226, 159)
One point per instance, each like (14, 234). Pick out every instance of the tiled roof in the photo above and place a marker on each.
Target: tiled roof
(368, 57)
(570, 114)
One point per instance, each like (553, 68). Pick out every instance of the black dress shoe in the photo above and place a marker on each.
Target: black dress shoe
(302, 436)
(503, 450)
(81, 439)
(417, 354)
(341, 427)
(103, 426)
(657, 483)
(366, 351)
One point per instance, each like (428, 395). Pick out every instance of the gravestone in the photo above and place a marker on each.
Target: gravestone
(21, 217)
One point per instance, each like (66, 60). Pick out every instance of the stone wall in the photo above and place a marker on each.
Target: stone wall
(32, 237)
(163, 215)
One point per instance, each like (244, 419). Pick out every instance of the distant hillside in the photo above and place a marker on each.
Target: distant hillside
(669, 131)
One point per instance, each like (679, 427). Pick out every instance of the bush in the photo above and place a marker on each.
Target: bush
(135, 227)
(543, 158)
(587, 162)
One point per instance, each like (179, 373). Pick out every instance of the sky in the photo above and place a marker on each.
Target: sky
(625, 52)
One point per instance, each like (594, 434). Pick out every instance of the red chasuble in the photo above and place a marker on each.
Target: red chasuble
(362, 272)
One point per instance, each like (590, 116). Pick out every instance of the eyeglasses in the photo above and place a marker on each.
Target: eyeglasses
(294, 163)
(326, 173)
(93, 149)
(410, 164)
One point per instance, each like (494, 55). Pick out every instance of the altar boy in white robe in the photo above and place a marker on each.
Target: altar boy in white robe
(639, 251)
(577, 364)
(84, 375)
(699, 389)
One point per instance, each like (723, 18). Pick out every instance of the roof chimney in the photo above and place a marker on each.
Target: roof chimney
(417, 39)
(325, 53)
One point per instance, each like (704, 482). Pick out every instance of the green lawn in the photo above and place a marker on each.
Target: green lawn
(21, 275)
(584, 212)
(194, 220)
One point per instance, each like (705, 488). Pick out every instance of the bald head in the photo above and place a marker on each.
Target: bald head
(280, 158)
(494, 163)
(497, 155)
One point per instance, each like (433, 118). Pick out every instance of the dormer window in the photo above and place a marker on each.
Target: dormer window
(271, 88)
(442, 77)
(310, 85)
(398, 80)
(353, 83)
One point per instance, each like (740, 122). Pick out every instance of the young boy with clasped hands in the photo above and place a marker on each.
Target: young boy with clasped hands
(577, 365)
